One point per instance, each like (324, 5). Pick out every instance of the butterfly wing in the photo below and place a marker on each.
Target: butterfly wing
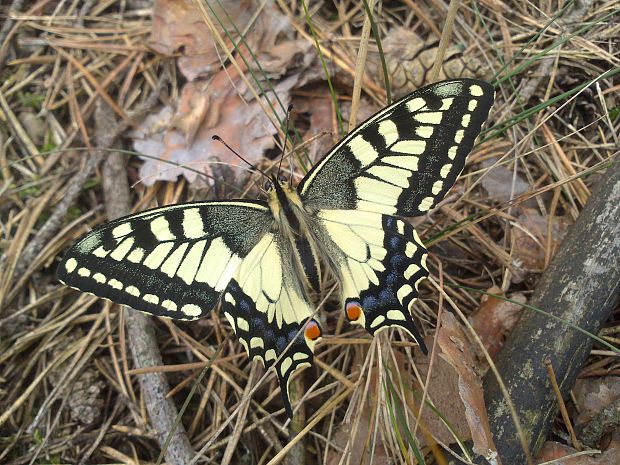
(401, 161)
(177, 261)
(380, 261)
(173, 261)
(266, 305)
(404, 159)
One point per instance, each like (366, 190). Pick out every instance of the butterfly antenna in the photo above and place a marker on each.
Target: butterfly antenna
(288, 118)
(219, 139)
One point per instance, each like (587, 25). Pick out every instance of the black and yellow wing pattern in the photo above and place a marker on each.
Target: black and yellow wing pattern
(400, 162)
(260, 260)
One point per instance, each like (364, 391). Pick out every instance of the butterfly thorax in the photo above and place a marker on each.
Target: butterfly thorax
(291, 222)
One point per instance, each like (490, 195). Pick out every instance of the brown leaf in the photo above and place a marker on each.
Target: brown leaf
(592, 395)
(183, 135)
(495, 318)
(179, 28)
(502, 184)
(456, 350)
(554, 451)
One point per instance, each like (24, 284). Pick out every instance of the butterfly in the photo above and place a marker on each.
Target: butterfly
(262, 260)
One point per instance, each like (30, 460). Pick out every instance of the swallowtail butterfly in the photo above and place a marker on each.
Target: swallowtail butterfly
(262, 259)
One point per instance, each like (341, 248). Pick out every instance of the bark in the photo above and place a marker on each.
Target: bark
(581, 286)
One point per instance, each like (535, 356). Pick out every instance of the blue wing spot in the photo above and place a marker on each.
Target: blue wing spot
(292, 334)
(370, 303)
(391, 279)
(397, 260)
(281, 343)
(394, 242)
(258, 323)
(244, 306)
(386, 295)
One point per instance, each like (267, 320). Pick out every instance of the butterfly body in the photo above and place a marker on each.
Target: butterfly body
(262, 260)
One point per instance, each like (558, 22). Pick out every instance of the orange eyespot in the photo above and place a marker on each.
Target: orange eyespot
(312, 331)
(353, 310)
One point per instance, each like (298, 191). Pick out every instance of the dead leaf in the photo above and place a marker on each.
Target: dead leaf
(553, 451)
(179, 28)
(495, 318)
(456, 350)
(503, 184)
(593, 395)
(530, 241)
(205, 110)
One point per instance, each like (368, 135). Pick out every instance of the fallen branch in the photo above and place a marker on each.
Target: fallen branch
(581, 286)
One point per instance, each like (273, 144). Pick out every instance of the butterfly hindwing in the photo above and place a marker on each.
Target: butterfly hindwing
(171, 261)
(266, 307)
(380, 261)
(405, 158)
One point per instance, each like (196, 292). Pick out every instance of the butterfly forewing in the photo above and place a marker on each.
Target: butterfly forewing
(405, 158)
(172, 261)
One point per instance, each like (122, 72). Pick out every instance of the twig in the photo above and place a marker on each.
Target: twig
(445, 39)
(54, 222)
(562, 405)
(140, 330)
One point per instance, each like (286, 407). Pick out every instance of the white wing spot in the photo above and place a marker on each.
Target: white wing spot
(300, 356)
(431, 117)
(466, 119)
(84, 272)
(270, 355)
(171, 265)
(193, 227)
(228, 297)
(446, 104)
(389, 131)
(475, 90)
(169, 305)
(412, 147)
(115, 284)
(71, 265)
(161, 229)
(286, 364)
(377, 321)
(410, 163)
(396, 315)
(403, 292)
(471, 106)
(396, 176)
(410, 249)
(426, 204)
(100, 278)
(425, 131)
(445, 170)
(363, 150)
(158, 255)
(122, 230)
(437, 185)
(136, 255)
(415, 104)
(452, 152)
(459, 136)
(231, 321)
(191, 309)
(100, 252)
(151, 299)
(243, 324)
(191, 262)
(411, 270)
(257, 342)
(132, 290)
(122, 250)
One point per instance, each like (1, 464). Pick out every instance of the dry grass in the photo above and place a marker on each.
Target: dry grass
(67, 392)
